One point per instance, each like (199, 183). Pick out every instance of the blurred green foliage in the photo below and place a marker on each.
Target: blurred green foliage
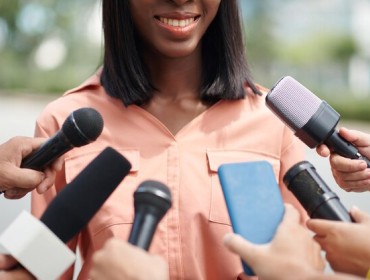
(28, 24)
(319, 48)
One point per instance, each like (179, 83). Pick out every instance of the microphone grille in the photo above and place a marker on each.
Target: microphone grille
(306, 185)
(153, 193)
(83, 126)
(293, 103)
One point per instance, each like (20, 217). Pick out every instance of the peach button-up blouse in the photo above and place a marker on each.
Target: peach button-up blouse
(190, 236)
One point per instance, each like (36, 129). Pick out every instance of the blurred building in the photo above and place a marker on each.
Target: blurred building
(359, 70)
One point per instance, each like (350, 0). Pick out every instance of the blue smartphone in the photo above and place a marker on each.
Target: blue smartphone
(253, 200)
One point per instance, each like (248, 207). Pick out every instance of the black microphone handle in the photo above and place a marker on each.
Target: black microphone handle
(344, 148)
(48, 152)
(331, 209)
(143, 230)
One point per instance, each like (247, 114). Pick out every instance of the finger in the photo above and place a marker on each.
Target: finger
(320, 226)
(28, 145)
(15, 193)
(352, 176)
(358, 138)
(21, 177)
(346, 165)
(47, 182)
(58, 164)
(353, 186)
(356, 189)
(7, 262)
(291, 215)
(22, 146)
(323, 150)
(359, 216)
(238, 245)
(321, 240)
(16, 274)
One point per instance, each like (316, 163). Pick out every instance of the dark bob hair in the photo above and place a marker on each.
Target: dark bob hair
(225, 70)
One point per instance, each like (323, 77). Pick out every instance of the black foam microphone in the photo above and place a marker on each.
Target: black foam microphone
(312, 192)
(313, 120)
(152, 199)
(78, 201)
(82, 127)
(66, 215)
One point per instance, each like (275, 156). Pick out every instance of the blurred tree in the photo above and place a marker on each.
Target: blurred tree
(47, 44)
(319, 48)
(259, 39)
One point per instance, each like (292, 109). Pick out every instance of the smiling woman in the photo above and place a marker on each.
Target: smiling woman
(48, 47)
(178, 101)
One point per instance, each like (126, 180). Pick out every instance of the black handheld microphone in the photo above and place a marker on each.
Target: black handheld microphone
(82, 127)
(313, 120)
(78, 202)
(152, 199)
(315, 196)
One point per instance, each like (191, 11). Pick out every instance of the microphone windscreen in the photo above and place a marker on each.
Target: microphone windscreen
(78, 201)
(83, 126)
(293, 103)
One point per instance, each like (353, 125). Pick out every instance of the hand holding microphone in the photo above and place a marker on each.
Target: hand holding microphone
(82, 127)
(350, 175)
(15, 181)
(39, 245)
(346, 245)
(312, 119)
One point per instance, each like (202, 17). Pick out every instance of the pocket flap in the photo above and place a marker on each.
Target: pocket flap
(76, 163)
(218, 157)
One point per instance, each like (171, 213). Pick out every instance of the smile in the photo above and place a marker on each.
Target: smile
(177, 22)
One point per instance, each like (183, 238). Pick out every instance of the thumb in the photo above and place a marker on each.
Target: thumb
(24, 177)
(359, 216)
(242, 247)
(7, 262)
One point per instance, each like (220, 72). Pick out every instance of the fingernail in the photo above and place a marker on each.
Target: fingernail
(43, 189)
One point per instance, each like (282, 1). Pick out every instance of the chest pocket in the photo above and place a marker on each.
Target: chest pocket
(218, 210)
(119, 207)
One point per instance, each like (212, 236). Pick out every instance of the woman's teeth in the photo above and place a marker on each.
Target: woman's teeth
(177, 22)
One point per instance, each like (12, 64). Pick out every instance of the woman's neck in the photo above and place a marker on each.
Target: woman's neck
(176, 100)
(176, 77)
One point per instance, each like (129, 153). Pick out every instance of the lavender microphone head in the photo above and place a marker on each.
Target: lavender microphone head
(312, 120)
(292, 102)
